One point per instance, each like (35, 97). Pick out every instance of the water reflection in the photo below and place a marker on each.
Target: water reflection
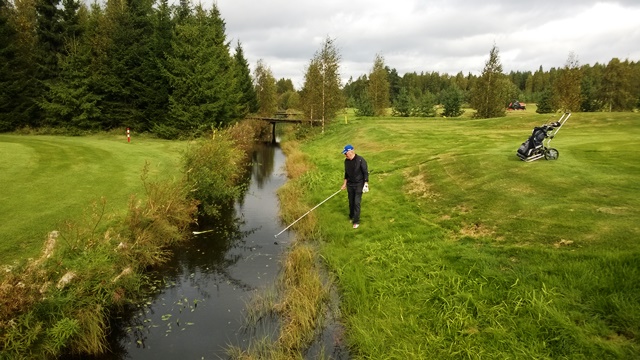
(199, 305)
(263, 165)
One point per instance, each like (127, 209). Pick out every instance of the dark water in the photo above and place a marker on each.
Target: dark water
(199, 307)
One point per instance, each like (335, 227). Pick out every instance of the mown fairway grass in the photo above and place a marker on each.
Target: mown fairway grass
(47, 180)
(464, 251)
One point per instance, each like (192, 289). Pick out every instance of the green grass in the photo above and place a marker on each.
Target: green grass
(464, 251)
(50, 179)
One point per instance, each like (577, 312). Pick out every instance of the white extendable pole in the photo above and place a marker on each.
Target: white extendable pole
(305, 214)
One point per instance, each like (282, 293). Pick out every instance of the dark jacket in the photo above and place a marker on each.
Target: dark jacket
(356, 171)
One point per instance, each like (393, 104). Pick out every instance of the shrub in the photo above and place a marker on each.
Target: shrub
(425, 106)
(212, 168)
(364, 106)
(403, 105)
(157, 222)
(452, 101)
(545, 104)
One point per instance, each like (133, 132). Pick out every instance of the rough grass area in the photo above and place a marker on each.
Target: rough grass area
(464, 251)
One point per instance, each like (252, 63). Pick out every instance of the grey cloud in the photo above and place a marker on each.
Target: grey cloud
(445, 36)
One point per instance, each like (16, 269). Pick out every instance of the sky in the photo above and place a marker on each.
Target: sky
(444, 36)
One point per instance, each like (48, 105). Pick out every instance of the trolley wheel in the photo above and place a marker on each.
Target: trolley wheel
(551, 154)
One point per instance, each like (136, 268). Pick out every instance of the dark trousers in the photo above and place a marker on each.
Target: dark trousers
(354, 191)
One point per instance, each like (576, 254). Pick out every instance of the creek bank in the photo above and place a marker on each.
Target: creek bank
(198, 305)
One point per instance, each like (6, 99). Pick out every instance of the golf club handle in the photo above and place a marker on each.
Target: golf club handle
(305, 214)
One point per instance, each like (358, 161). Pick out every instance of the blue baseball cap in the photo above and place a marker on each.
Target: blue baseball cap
(347, 148)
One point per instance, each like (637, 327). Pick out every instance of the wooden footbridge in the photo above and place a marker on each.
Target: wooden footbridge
(283, 118)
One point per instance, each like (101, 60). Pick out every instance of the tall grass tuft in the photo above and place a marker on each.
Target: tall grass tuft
(301, 295)
(157, 222)
(304, 298)
(94, 324)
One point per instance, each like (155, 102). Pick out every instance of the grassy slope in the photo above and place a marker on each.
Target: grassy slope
(465, 251)
(50, 179)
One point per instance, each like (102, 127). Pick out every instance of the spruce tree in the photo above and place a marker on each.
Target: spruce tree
(132, 67)
(200, 71)
(156, 102)
(8, 65)
(244, 83)
(24, 86)
(111, 65)
(394, 84)
(425, 105)
(70, 21)
(403, 105)
(68, 100)
(19, 87)
(545, 103)
(452, 102)
(490, 93)
(49, 46)
(50, 35)
(364, 105)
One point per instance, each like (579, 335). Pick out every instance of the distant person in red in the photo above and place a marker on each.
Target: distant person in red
(356, 181)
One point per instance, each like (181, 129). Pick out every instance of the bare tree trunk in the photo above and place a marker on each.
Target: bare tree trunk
(323, 86)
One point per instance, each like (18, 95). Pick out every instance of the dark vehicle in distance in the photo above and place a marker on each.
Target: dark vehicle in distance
(517, 105)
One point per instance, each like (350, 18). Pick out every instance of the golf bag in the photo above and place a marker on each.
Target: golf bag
(534, 147)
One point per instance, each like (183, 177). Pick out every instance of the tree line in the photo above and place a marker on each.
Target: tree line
(140, 64)
(170, 70)
(573, 87)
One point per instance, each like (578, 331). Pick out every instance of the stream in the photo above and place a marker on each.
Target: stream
(198, 306)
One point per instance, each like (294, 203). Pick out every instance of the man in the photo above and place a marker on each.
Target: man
(356, 181)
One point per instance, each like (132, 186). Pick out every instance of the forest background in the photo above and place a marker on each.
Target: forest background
(170, 70)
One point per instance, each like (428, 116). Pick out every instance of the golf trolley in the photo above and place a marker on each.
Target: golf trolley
(535, 148)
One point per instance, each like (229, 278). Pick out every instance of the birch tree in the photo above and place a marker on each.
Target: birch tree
(265, 89)
(322, 97)
(566, 88)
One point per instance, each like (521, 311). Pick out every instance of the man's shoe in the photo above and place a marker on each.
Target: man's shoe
(355, 226)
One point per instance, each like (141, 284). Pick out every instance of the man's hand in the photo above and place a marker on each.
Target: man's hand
(365, 188)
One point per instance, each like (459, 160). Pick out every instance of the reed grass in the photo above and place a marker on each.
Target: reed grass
(300, 298)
